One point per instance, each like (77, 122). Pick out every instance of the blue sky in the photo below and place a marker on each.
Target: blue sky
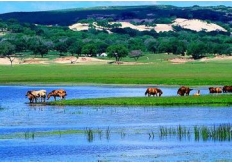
(13, 6)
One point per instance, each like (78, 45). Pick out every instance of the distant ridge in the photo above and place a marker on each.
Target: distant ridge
(68, 17)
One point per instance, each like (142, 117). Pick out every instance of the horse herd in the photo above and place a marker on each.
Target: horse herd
(33, 96)
(186, 90)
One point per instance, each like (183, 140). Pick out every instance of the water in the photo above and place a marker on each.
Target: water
(51, 133)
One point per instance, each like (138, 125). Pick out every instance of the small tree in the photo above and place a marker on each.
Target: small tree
(197, 50)
(117, 51)
(6, 50)
(90, 49)
(136, 54)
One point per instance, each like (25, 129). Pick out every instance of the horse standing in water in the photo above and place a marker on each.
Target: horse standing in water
(37, 94)
(184, 91)
(226, 89)
(215, 90)
(57, 93)
(153, 91)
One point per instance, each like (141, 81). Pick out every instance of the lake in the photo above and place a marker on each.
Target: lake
(108, 133)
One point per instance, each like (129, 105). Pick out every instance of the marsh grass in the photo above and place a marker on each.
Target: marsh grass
(222, 132)
(89, 134)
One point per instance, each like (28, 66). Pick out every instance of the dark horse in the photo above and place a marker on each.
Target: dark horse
(215, 90)
(184, 91)
(226, 89)
(153, 91)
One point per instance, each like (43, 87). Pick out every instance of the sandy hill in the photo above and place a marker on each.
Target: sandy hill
(192, 24)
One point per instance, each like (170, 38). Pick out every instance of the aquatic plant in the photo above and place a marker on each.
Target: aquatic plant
(221, 132)
(108, 133)
(89, 134)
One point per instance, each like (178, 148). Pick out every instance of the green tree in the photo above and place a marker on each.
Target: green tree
(89, 49)
(75, 48)
(39, 46)
(196, 49)
(117, 51)
(7, 50)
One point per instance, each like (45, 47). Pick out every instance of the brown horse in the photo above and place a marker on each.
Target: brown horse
(57, 93)
(31, 98)
(184, 91)
(215, 90)
(226, 89)
(153, 91)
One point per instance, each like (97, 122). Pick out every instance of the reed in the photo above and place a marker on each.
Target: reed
(89, 133)
(108, 133)
(222, 132)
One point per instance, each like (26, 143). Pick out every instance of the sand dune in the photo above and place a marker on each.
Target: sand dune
(192, 24)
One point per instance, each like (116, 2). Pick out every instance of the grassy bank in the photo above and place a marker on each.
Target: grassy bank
(163, 73)
(151, 101)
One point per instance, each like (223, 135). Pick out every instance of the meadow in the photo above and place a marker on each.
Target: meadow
(156, 72)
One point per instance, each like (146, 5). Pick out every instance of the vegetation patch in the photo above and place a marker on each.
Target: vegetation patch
(151, 101)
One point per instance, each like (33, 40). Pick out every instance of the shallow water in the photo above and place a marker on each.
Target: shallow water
(44, 133)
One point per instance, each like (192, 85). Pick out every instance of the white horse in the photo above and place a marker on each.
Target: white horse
(38, 94)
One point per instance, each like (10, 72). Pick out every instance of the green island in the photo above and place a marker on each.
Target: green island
(204, 100)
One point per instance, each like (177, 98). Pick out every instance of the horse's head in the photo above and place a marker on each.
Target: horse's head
(28, 93)
(49, 95)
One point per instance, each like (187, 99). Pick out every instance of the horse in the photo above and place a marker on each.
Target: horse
(57, 93)
(184, 91)
(153, 91)
(226, 89)
(215, 90)
(31, 98)
(38, 94)
(197, 93)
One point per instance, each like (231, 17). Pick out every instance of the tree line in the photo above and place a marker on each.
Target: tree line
(19, 38)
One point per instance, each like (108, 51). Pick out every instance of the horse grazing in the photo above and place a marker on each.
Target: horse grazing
(37, 94)
(184, 91)
(197, 93)
(57, 93)
(226, 89)
(153, 91)
(215, 90)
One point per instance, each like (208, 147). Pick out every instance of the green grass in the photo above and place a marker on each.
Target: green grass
(157, 72)
(151, 101)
